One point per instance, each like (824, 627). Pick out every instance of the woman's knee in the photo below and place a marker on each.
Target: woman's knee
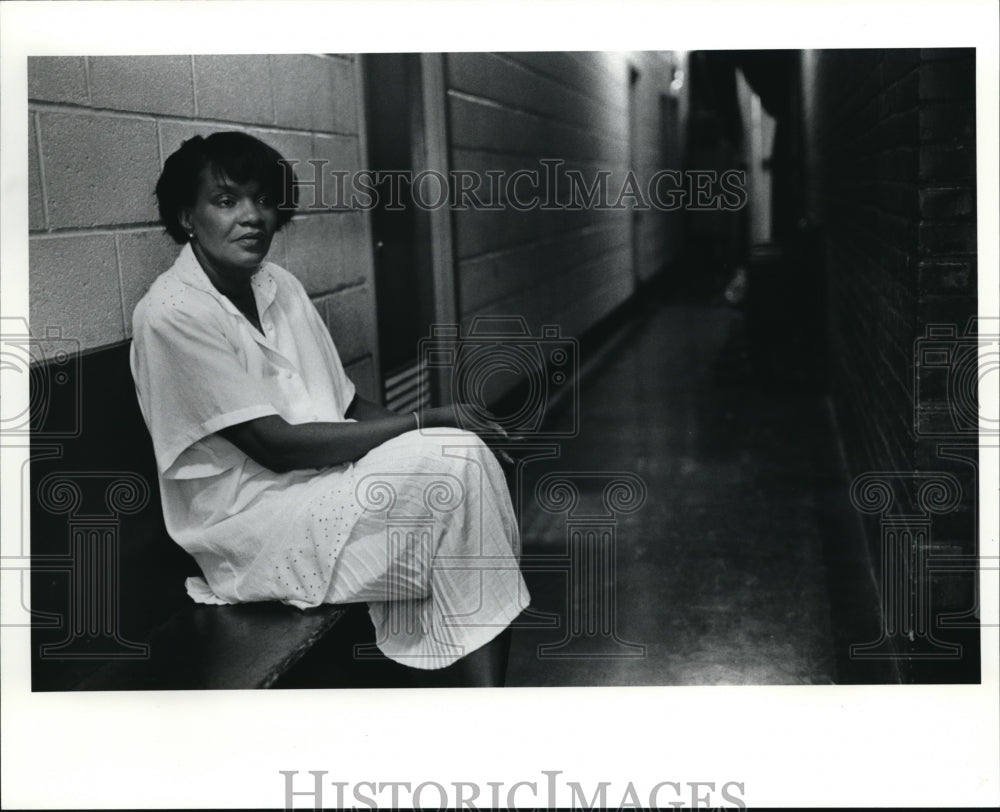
(451, 435)
(452, 446)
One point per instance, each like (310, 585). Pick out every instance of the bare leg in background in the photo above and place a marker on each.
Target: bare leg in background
(486, 667)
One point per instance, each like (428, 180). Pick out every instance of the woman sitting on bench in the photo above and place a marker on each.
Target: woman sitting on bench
(274, 474)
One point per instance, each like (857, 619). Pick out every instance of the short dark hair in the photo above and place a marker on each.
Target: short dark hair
(235, 155)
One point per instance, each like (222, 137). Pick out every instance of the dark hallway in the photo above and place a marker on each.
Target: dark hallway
(722, 573)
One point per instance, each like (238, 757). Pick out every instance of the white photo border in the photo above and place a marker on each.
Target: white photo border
(790, 746)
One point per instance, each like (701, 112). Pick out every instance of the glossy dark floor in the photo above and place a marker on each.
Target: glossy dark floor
(722, 575)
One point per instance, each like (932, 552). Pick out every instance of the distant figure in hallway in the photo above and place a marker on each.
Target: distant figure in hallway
(718, 239)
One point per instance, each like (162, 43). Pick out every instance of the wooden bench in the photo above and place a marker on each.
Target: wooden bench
(110, 611)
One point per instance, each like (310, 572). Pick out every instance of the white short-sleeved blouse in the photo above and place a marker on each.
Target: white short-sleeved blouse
(200, 366)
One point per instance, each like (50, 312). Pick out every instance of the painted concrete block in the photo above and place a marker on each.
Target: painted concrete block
(497, 78)
(314, 252)
(494, 276)
(99, 169)
(73, 285)
(278, 253)
(173, 133)
(343, 83)
(291, 145)
(362, 372)
(355, 247)
(143, 256)
(341, 153)
(58, 79)
(314, 93)
(234, 88)
(350, 317)
(151, 84)
(36, 207)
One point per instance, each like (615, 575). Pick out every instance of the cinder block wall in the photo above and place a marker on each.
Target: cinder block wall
(892, 172)
(508, 111)
(100, 129)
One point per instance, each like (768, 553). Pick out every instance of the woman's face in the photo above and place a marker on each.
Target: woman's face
(232, 226)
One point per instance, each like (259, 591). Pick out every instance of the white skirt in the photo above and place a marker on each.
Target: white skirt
(435, 549)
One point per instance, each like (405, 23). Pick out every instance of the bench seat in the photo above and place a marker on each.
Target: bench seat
(107, 581)
(249, 645)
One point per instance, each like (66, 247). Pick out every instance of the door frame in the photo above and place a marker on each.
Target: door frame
(430, 151)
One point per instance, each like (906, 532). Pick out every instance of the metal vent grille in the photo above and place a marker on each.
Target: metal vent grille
(408, 389)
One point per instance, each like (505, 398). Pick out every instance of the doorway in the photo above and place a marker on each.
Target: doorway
(400, 231)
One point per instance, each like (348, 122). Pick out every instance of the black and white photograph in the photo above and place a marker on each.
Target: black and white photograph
(632, 409)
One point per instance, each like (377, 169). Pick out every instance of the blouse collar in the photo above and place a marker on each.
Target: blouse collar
(262, 282)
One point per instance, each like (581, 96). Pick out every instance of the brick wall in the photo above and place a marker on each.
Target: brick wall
(866, 160)
(100, 129)
(508, 112)
(891, 140)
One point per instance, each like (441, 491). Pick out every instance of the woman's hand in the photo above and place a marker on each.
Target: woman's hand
(484, 425)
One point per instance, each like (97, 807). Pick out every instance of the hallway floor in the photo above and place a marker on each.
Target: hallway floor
(723, 573)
